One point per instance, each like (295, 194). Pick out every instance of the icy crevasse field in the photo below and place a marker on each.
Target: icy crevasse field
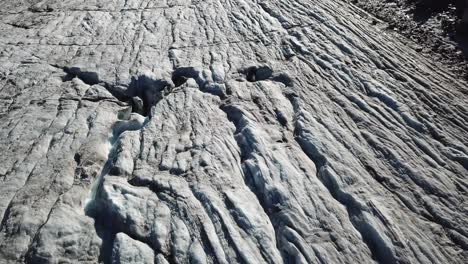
(225, 132)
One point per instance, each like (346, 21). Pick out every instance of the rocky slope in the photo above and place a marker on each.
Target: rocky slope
(218, 131)
(438, 29)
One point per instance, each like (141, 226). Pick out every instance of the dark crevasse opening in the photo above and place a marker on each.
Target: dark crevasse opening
(257, 73)
(142, 93)
(182, 74)
(145, 93)
(88, 77)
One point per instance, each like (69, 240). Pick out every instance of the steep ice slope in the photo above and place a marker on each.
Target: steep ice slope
(225, 132)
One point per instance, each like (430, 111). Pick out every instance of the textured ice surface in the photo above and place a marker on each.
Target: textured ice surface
(239, 132)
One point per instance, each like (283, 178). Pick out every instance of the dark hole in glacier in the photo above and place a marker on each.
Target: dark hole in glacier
(77, 158)
(142, 93)
(147, 91)
(90, 78)
(181, 75)
(257, 73)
